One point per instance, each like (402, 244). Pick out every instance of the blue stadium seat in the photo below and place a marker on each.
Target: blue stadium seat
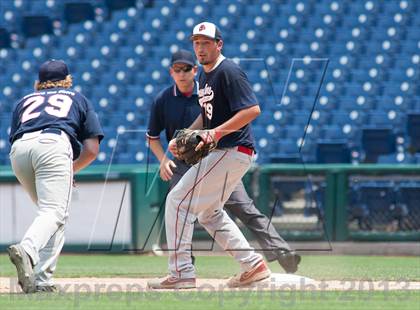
(369, 88)
(333, 132)
(301, 119)
(396, 158)
(294, 132)
(286, 151)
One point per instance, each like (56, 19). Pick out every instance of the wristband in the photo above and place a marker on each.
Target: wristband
(217, 134)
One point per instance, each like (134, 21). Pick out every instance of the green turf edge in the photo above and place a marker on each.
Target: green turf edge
(320, 267)
(216, 300)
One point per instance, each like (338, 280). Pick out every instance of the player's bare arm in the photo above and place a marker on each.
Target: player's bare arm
(239, 120)
(88, 154)
(165, 162)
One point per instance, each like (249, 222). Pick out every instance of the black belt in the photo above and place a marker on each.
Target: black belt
(55, 131)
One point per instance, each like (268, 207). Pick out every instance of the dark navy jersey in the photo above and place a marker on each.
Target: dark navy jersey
(60, 108)
(171, 111)
(222, 93)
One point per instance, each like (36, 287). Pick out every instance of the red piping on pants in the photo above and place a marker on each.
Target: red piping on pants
(177, 212)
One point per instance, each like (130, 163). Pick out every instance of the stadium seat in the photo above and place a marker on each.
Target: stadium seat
(396, 158)
(286, 151)
(120, 51)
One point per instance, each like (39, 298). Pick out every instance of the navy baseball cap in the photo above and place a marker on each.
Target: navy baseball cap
(206, 29)
(53, 70)
(184, 57)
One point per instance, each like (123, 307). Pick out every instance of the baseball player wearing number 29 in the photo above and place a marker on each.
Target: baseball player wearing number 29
(228, 106)
(47, 127)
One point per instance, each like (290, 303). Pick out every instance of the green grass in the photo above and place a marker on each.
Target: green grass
(220, 300)
(314, 266)
(318, 267)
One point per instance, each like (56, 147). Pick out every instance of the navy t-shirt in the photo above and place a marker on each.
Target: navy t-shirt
(61, 108)
(171, 111)
(222, 93)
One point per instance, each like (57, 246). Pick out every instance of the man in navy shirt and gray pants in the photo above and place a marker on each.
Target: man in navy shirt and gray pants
(47, 127)
(176, 107)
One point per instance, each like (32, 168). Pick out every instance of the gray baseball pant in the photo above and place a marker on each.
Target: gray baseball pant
(241, 206)
(201, 194)
(43, 164)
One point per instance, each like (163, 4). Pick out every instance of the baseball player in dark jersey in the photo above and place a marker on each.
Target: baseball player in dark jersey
(47, 127)
(228, 106)
(177, 107)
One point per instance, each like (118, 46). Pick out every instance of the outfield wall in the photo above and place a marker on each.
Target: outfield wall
(120, 208)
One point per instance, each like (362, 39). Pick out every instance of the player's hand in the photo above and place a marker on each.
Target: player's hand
(165, 169)
(172, 147)
(207, 137)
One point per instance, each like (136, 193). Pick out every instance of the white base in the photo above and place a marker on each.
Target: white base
(156, 250)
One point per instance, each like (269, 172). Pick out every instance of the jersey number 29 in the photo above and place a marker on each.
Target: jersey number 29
(58, 105)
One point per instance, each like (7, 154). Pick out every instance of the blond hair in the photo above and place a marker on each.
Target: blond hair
(66, 83)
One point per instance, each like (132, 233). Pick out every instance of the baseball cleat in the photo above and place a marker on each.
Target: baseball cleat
(23, 265)
(171, 283)
(259, 272)
(46, 289)
(289, 260)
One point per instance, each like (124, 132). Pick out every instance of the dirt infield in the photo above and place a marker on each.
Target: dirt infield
(133, 285)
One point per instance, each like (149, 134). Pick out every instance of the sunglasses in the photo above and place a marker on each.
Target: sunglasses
(183, 69)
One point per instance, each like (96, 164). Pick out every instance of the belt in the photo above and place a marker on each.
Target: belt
(55, 131)
(52, 130)
(245, 150)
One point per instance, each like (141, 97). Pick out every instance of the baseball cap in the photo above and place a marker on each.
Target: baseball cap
(207, 29)
(53, 70)
(183, 56)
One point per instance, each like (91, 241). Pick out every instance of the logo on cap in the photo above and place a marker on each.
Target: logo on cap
(207, 29)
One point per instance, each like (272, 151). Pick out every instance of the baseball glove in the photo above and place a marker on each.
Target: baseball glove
(187, 141)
